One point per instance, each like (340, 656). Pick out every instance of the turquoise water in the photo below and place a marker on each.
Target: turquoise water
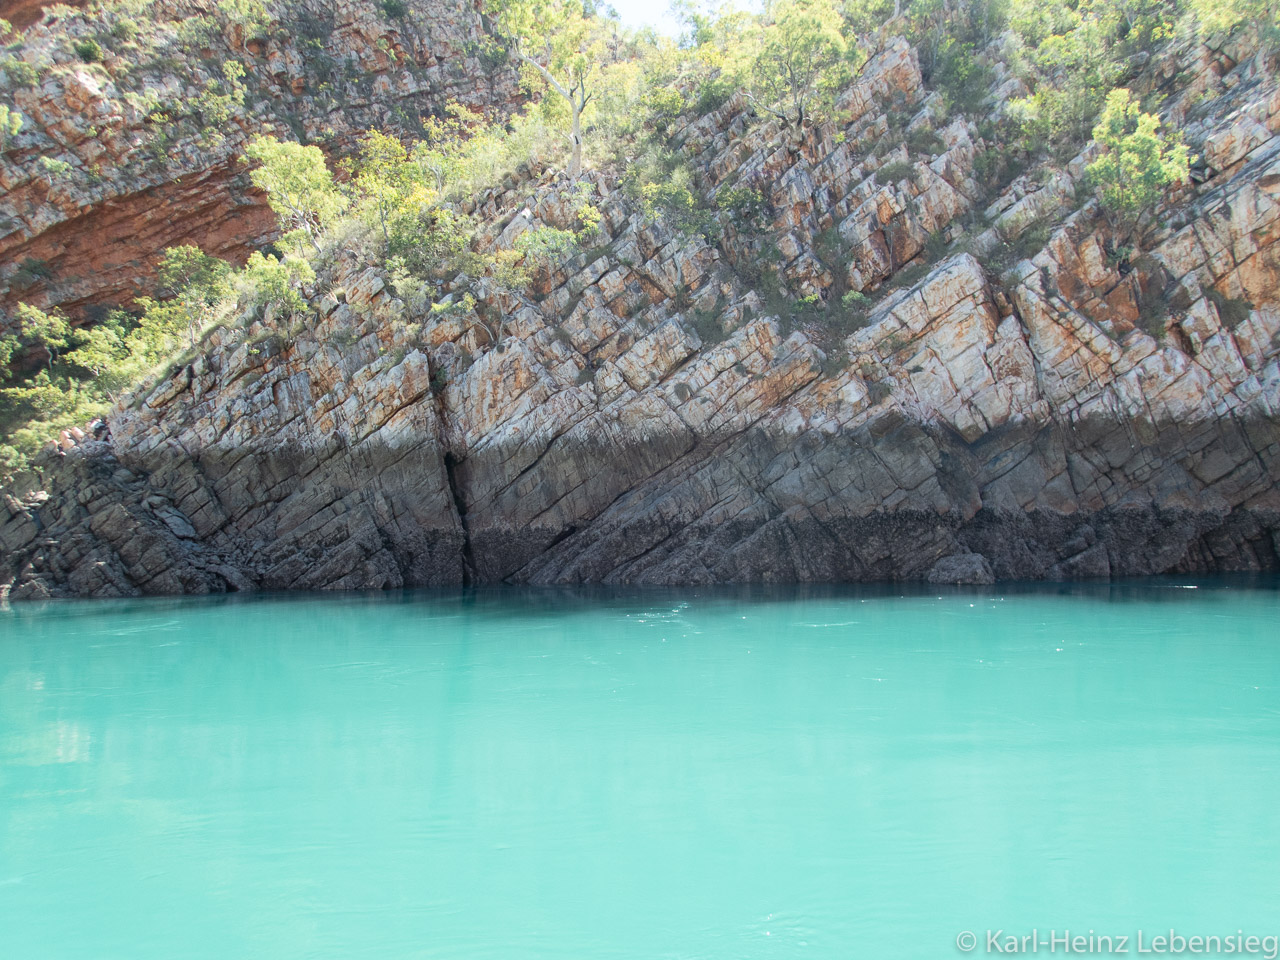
(525, 774)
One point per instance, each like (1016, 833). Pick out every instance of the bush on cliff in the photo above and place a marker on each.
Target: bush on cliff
(1138, 163)
(796, 60)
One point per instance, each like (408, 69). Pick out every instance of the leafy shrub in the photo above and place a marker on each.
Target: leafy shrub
(19, 72)
(708, 326)
(251, 16)
(745, 203)
(963, 80)
(713, 94)
(88, 50)
(394, 9)
(925, 140)
(124, 29)
(268, 281)
(547, 244)
(1137, 165)
(30, 272)
(892, 173)
(1233, 311)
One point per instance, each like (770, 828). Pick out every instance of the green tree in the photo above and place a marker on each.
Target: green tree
(1137, 165)
(104, 353)
(270, 281)
(558, 40)
(797, 60)
(48, 331)
(9, 345)
(197, 281)
(1073, 70)
(251, 16)
(384, 175)
(298, 184)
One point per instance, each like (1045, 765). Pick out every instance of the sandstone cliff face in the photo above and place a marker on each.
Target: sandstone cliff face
(1069, 413)
(91, 236)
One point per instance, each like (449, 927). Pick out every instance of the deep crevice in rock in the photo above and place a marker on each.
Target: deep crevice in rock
(460, 505)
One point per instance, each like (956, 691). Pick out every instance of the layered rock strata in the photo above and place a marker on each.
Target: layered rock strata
(152, 163)
(1066, 412)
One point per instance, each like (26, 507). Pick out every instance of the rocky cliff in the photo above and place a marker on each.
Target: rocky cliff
(152, 132)
(1023, 400)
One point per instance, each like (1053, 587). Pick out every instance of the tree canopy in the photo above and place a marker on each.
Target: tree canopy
(1137, 165)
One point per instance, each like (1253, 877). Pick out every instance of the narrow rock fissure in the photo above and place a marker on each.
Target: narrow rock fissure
(459, 504)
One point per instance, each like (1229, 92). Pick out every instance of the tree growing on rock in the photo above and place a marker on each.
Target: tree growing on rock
(49, 332)
(557, 39)
(298, 184)
(1258, 20)
(1138, 164)
(197, 282)
(384, 175)
(793, 65)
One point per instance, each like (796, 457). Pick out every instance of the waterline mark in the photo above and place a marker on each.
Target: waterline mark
(1146, 943)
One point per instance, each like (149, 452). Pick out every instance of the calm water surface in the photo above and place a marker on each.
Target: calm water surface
(648, 775)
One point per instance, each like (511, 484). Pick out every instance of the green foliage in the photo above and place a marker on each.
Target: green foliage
(10, 124)
(744, 203)
(662, 105)
(1258, 20)
(125, 28)
(674, 203)
(383, 174)
(30, 272)
(545, 245)
(19, 72)
(1233, 311)
(896, 172)
(269, 281)
(197, 281)
(709, 325)
(795, 61)
(464, 156)
(394, 9)
(298, 184)
(963, 79)
(565, 49)
(1075, 54)
(88, 50)
(665, 190)
(1138, 165)
(401, 194)
(53, 169)
(49, 332)
(219, 99)
(251, 16)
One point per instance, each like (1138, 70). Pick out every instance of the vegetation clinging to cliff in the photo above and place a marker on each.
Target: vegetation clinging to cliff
(409, 206)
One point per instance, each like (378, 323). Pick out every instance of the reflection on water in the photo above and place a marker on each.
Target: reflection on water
(590, 773)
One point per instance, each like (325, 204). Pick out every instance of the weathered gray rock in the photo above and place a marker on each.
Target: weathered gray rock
(962, 568)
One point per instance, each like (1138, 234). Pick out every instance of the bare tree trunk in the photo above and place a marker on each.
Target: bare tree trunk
(575, 136)
(577, 97)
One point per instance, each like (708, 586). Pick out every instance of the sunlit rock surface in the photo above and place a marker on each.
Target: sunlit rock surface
(648, 418)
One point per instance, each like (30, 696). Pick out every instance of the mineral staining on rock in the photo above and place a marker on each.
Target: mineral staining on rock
(330, 72)
(648, 418)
